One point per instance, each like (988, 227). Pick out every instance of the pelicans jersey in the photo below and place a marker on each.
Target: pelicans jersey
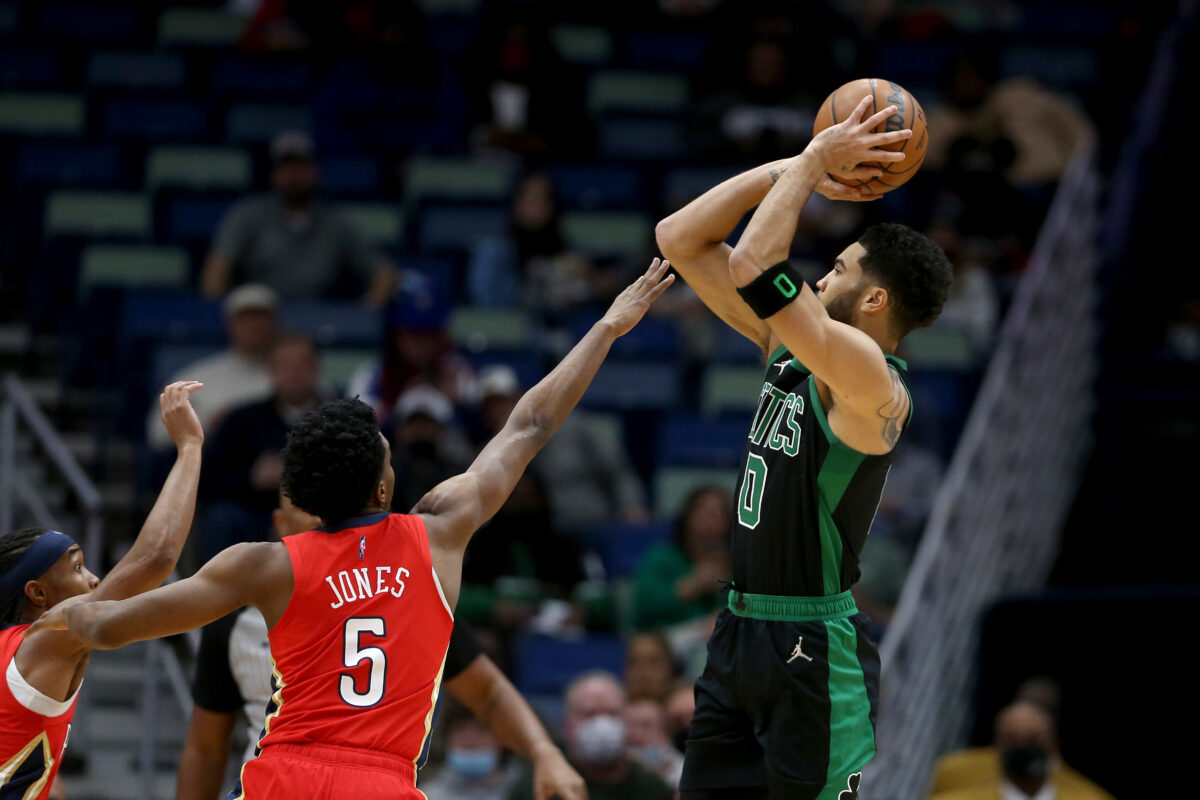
(33, 728)
(358, 657)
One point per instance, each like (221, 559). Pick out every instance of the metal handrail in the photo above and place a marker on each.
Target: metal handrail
(18, 403)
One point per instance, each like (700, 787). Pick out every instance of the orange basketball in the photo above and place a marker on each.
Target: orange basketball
(845, 99)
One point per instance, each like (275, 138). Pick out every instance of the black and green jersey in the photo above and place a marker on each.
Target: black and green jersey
(805, 500)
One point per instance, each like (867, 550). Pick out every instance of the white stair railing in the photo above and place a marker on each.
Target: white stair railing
(994, 528)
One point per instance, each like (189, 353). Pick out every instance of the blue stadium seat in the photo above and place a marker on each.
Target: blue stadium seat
(69, 163)
(623, 546)
(245, 77)
(155, 120)
(158, 317)
(545, 665)
(136, 70)
(636, 385)
(252, 122)
(642, 139)
(194, 218)
(89, 22)
(23, 67)
(701, 441)
(529, 367)
(454, 227)
(653, 337)
(588, 186)
(665, 50)
(333, 324)
(913, 64)
(352, 176)
(682, 186)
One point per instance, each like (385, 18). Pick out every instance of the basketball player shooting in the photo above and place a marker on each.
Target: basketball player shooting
(785, 707)
(360, 610)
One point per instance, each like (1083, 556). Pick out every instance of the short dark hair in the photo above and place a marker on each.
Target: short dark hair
(913, 269)
(333, 460)
(12, 546)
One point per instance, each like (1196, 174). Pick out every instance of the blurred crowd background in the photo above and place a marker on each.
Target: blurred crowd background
(424, 203)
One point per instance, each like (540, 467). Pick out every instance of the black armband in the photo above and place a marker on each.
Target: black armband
(770, 292)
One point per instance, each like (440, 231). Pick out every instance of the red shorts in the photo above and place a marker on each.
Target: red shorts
(290, 772)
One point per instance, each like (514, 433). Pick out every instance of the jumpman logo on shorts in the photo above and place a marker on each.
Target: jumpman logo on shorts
(798, 653)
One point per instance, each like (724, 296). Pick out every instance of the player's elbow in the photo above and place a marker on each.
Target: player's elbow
(669, 235)
(744, 266)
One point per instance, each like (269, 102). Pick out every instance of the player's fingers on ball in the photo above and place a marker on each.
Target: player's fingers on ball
(861, 108)
(879, 116)
(888, 137)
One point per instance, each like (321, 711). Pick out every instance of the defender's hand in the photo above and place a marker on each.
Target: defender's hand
(183, 426)
(56, 618)
(631, 305)
(842, 147)
(554, 777)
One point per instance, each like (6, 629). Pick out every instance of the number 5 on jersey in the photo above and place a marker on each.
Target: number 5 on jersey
(354, 654)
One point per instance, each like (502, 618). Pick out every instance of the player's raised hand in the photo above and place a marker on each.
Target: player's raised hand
(846, 145)
(183, 426)
(631, 305)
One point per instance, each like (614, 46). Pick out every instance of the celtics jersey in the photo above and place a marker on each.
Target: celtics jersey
(804, 500)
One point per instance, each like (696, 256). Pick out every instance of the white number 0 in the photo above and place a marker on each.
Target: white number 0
(354, 654)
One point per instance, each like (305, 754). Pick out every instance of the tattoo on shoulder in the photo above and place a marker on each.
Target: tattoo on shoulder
(776, 174)
(893, 411)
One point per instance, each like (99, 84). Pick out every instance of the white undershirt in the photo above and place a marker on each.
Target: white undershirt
(31, 698)
(1010, 792)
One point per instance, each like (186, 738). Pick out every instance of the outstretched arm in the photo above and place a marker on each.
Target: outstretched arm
(454, 509)
(842, 356)
(498, 704)
(221, 586)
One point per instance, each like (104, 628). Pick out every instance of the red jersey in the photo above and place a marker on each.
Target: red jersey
(33, 727)
(360, 648)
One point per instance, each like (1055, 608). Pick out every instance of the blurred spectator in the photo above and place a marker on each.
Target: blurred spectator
(518, 566)
(679, 581)
(529, 264)
(426, 447)
(1024, 762)
(523, 98)
(474, 768)
(292, 242)
(973, 308)
(594, 731)
(649, 667)
(243, 463)
(235, 376)
(1040, 127)
(680, 706)
(649, 743)
(588, 476)
(765, 115)
(417, 349)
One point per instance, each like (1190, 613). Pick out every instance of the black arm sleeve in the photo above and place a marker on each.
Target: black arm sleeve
(464, 648)
(214, 688)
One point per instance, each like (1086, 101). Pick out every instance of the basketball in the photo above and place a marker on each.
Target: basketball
(843, 100)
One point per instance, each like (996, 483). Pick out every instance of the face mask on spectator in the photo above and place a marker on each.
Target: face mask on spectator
(472, 763)
(599, 739)
(1026, 763)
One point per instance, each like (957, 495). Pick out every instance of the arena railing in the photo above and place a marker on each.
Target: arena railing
(995, 526)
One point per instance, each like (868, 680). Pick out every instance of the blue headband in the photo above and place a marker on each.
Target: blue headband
(33, 563)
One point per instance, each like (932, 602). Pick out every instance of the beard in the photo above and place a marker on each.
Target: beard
(841, 308)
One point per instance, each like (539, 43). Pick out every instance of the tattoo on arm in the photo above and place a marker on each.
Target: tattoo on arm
(894, 410)
(776, 174)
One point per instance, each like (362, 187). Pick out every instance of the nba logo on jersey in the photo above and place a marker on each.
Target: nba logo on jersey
(362, 548)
